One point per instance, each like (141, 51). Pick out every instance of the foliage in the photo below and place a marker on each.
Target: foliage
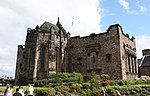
(131, 89)
(76, 86)
(90, 75)
(86, 85)
(93, 79)
(44, 91)
(91, 84)
(38, 83)
(119, 82)
(95, 92)
(142, 81)
(57, 79)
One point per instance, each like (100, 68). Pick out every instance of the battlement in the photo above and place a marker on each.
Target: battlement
(110, 29)
(119, 28)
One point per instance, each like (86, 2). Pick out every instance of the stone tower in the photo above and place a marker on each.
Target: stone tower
(43, 53)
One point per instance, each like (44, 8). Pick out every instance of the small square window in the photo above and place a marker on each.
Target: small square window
(108, 57)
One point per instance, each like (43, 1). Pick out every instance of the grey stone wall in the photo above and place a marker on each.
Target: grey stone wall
(44, 52)
(144, 71)
(100, 47)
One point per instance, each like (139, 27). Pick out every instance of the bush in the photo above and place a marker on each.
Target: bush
(86, 85)
(111, 91)
(142, 81)
(95, 92)
(124, 82)
(71, 79)
(76, 86)
(57, 79)
(90, 75)
(87, 92)
(38, 83)
(119, 82)
(64, 78)
(44, 91)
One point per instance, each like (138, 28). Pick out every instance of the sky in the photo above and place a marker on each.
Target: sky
(79, 17)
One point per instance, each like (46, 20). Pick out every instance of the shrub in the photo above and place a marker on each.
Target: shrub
(44, 91)
(76, 86)
(38, 83)
(95, 92)
(124, 82)
(111, 91)
(142, 81)
(119, 82)
(71, 79)
(90, 75)
(87, 92)
(86, 85)
(64, 78)
(58, 88)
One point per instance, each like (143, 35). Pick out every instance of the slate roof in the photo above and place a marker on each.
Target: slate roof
(145, 61)
(46, 26)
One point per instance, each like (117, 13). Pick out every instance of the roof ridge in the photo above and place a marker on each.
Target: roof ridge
(142, 60)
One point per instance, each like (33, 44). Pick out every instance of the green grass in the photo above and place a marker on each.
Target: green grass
(2, 88)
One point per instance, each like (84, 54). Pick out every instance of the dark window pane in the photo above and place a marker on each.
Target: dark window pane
(108, 57)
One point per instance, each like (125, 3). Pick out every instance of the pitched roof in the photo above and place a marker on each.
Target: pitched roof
(145, 61)
(46, 26)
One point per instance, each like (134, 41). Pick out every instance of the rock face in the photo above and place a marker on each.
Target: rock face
(49, 49)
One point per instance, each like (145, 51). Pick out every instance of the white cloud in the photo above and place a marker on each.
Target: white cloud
(124, 4)
(4, 52)
(135, 8)
(6, 70)
(18, 15)
(143, 42)
(142, 8)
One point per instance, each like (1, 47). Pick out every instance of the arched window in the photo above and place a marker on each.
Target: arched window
(93, 57)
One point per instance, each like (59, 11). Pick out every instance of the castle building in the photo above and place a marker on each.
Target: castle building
(49, 48)
(43, 52)
(144, 63)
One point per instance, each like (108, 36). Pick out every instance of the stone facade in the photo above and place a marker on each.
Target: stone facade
(112, 53)
(43, 52)
(49, 49)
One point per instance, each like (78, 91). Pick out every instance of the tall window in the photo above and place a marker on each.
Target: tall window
(42, 58)
(135, 65)
(30, 58)
(93, 59)
(129, 64)
(109, 58)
